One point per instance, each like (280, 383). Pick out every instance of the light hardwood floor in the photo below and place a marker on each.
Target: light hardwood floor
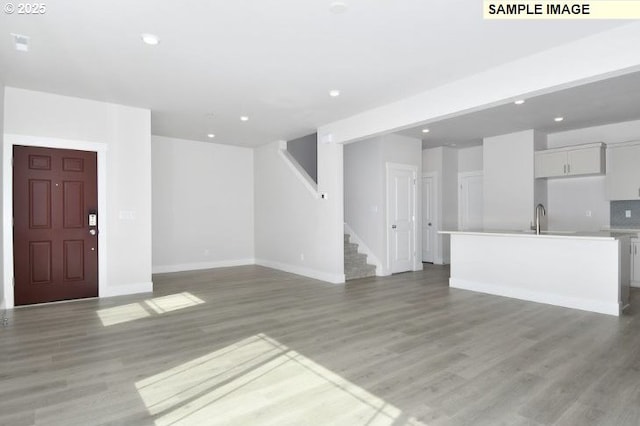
(253, 346)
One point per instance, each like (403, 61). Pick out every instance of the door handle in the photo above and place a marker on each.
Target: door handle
(393, 226)
(92, 231)
(429, 223)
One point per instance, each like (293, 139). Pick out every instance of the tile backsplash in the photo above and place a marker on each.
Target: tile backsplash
(618, 214)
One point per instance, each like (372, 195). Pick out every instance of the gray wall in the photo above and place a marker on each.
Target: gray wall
(618, 219)
(305, 151)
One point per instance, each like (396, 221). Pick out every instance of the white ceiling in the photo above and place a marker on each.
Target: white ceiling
(608, 101)
(274, 61)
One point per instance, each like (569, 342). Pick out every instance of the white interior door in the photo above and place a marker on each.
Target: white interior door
(470, 201)
(429, 227)
(401, 212)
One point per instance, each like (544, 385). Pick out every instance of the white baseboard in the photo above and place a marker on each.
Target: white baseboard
(381, 271)
(163, 269)
(122, 290)
(300, 270)
(533, 296)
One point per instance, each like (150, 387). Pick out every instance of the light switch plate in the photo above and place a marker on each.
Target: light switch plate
(627, 213)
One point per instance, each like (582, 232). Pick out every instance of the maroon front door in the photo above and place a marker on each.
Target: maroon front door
(55, 250)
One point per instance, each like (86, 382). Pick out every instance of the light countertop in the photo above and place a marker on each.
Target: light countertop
(595, 235)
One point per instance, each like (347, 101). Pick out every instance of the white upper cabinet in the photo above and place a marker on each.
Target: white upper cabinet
(570, 161)
(623, 177)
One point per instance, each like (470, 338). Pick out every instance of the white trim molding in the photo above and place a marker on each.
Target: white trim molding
(196, 266)
(306, 272)
(7, 203)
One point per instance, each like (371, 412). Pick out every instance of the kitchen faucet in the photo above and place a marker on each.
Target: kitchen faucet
(539, 209)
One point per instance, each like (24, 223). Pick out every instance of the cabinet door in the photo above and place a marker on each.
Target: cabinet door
(585, 161)
(623, 174)
(550, 164)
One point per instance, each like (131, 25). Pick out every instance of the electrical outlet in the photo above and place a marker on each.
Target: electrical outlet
(588, 213)
(627, 213)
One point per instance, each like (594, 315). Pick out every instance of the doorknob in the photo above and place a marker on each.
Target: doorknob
(393, 226)
(92, 231)
(429, 223)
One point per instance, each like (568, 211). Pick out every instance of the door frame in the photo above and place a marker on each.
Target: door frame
(7, 203)
(461, 202)
(417, 265)
(437, 258)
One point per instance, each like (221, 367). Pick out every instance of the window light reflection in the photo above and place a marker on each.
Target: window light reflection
(260, 381)
(155, 306)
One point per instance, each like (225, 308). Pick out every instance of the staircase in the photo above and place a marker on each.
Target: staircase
(355, 264)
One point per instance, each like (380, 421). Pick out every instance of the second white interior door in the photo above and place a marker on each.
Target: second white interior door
(401, 212)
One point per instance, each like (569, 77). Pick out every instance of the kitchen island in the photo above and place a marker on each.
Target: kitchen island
(588, 271)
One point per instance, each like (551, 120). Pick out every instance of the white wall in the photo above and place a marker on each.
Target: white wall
(470, 159)
(125, 133)
(569, 199)
(202, 205)
(296, 230)
(508, 180)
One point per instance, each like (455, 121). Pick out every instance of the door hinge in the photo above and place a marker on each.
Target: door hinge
(13, 281)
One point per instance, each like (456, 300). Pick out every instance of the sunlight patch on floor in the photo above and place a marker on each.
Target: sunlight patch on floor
(157, 305)
(260, 381)
(173, 302)
(120, 314)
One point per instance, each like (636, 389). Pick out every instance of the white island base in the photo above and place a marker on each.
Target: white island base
(574, 271)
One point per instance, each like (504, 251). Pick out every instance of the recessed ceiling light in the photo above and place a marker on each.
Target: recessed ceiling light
(244, 118)
(338, 7)
(558, 119)
(334, 93)
(519, 102)
(20, 42)
(211, 135)
(150, 39)
(425, 130)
